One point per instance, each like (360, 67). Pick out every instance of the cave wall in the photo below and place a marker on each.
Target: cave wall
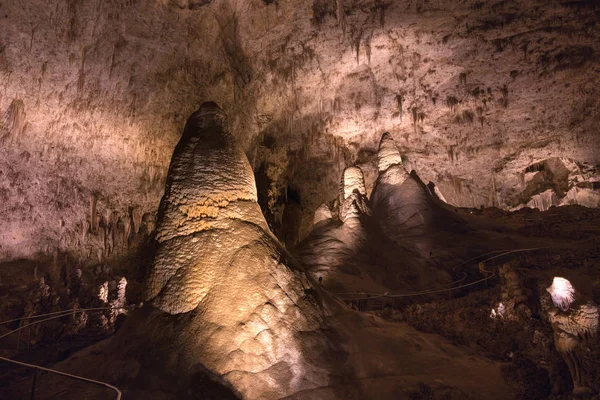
(94, 95)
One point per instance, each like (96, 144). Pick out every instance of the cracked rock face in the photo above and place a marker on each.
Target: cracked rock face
(220, 277)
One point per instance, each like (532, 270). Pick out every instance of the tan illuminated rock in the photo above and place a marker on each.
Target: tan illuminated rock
(227, 306)
(322, 214)
(219, 275)
(399, 201)
(573, 327)
(353, 202)
(353, 179)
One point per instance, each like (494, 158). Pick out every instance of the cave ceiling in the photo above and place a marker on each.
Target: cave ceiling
(496, 102)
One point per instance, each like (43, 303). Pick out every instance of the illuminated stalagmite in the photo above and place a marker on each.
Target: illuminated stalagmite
(398, 201)
(333, 245)
(220, 275)
(573, 327)
(401, 202)
(228, 310)
(389, 161)
(354, 255)
(353, 200)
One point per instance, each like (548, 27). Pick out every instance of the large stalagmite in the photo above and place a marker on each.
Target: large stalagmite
(219, 273)
(230, 314)
(353, 200)
(401, 202)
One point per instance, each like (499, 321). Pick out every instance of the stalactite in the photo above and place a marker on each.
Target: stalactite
(137, 220)
(341, 15)
(93, 205)
(13, 120)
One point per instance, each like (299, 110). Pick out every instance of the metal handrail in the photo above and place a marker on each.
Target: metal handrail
(81, 378)
(490, 275)
(56, 315)
(66, 312)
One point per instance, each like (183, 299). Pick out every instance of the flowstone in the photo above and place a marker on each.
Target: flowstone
(229, 297)
(573, 328)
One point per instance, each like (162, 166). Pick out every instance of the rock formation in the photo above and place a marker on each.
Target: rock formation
(573, 328)
(514, 295)
(220, 277)
(334, 246)
(323, 214)
(353, 200)
(401, 202)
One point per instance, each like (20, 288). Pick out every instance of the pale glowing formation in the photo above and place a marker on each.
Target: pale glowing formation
(103, 292)
(353, 179)
(562, 292)
(388, 154)
(353, 201)
(500, 313)
(439, 194)
(247, 311)
(571, 332)
(389, 162)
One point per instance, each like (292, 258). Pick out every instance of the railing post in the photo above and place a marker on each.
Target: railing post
(18, 340)
(29, 341)
(35, 373)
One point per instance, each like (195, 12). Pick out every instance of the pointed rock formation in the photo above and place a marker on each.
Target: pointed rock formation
(573, 327)
(353, 179)
(435, 191)
(389, 161)
(226, 297)
(229, 314)
(353, 201)
(400, 201)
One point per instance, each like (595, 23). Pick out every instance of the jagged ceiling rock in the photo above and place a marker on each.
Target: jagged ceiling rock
(473, 93)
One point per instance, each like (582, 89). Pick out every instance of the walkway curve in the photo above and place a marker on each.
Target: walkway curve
(445, 288)
(81, 378)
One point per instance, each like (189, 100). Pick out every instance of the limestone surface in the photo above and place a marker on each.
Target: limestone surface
(219, 274)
